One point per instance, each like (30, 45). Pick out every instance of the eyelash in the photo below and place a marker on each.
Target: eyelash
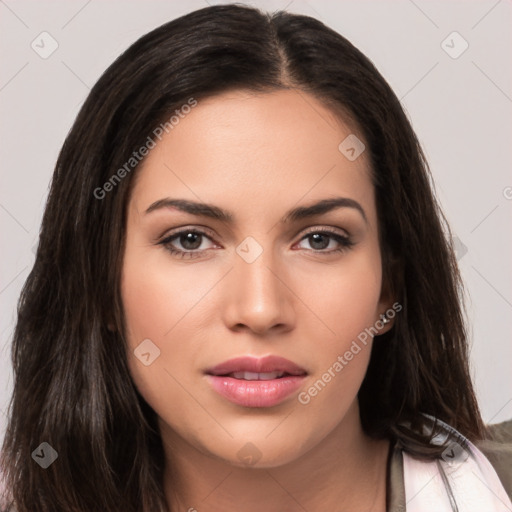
(344, 241)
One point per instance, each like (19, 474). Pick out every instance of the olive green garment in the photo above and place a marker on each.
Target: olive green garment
(498, 451)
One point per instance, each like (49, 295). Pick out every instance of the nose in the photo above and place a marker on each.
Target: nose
(258, 296)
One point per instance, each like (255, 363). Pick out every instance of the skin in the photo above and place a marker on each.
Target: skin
(258, 156)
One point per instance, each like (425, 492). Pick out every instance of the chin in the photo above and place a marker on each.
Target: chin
(260, 453)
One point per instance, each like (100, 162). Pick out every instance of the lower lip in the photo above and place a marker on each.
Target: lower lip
(256, 393)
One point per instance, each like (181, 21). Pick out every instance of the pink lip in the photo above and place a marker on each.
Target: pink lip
(256, 393)
(257, 365)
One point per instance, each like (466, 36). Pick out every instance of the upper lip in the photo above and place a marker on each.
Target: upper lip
(257, 365)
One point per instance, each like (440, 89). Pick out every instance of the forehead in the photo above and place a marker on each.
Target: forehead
(259, 148)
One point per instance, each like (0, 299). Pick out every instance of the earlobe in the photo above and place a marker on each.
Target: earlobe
(383, 324)
(389, 307)
(386, 319)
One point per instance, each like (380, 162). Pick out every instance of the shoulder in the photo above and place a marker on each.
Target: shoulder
(498, 450)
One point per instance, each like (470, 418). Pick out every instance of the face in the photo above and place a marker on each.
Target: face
(246, 318)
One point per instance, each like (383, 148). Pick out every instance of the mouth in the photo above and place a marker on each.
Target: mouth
(256, 375)
(254, 368)
(256, 382)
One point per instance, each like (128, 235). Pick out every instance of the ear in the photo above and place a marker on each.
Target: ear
(387, 309)
(385, 321)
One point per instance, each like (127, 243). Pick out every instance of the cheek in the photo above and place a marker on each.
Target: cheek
(159, 305)
(346, 301)
(158, 297)
(344, 296)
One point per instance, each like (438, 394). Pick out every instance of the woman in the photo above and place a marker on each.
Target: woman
(244, 296)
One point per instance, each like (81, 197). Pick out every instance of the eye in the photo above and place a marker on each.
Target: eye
(191, 243)
(187, 243)
(320, 240)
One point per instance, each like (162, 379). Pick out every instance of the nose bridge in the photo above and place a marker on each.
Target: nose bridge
(258, 297)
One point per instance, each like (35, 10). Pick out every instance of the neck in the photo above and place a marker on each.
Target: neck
(346, 471)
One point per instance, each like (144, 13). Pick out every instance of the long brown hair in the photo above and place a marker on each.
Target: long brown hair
(72, 387)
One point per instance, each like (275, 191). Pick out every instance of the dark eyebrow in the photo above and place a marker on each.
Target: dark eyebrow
(299, 213)
(323, 206)
(193, 207)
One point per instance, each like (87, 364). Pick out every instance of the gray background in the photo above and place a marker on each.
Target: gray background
(460, 108)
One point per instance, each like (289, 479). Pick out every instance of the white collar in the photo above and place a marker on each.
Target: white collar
(463, 480)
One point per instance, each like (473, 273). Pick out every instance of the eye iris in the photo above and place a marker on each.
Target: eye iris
(319, 241)
(190, 241)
